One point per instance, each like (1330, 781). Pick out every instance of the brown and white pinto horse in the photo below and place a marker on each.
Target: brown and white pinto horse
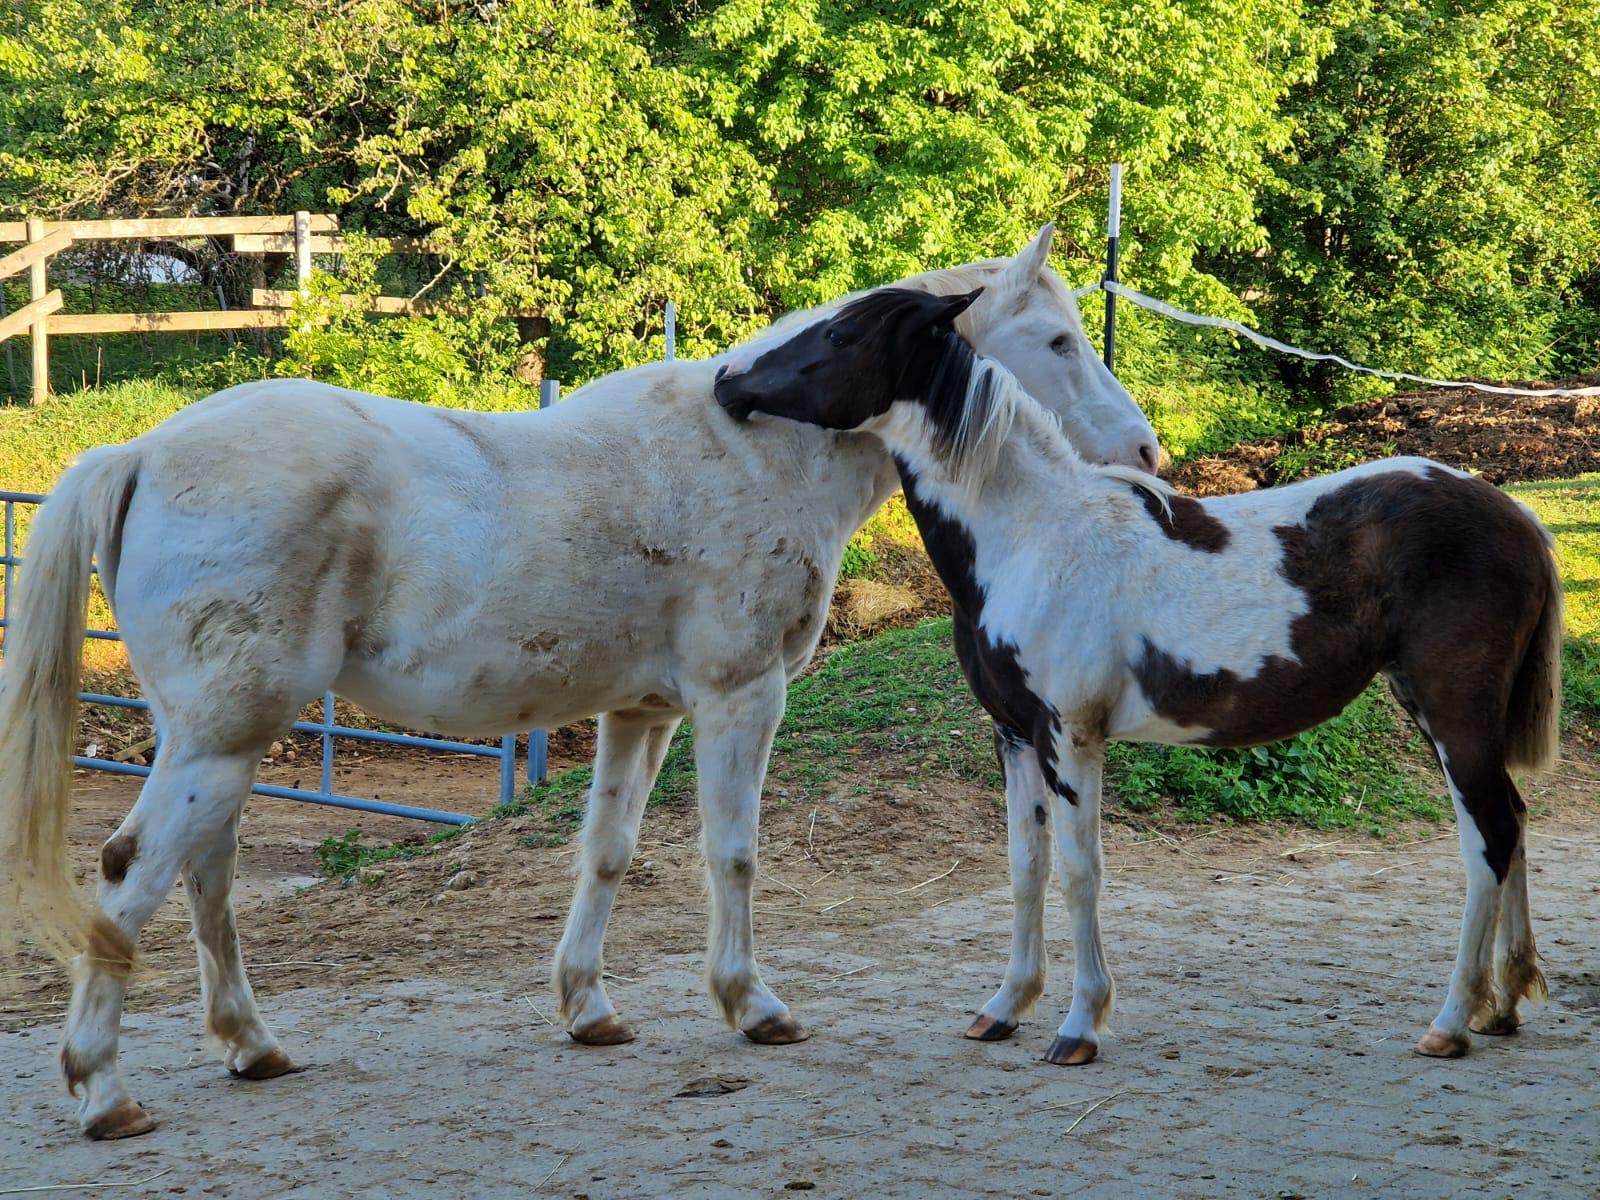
(1092, 603)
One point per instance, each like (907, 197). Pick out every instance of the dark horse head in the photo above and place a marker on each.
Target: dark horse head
(851, 365)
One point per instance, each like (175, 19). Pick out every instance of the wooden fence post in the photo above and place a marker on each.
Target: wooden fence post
(302, 249)
(38, 332)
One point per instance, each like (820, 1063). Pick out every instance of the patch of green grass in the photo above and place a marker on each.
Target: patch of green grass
(1570, 509)
(341, 857)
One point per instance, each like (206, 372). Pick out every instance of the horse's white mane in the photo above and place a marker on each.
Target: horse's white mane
(993, 405)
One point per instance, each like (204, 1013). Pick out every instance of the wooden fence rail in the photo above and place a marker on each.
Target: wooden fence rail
(301, 234)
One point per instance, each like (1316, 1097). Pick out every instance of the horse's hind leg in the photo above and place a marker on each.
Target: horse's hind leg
(1489, 821)
(233, 1023)
(186, 800)
(1516, 959)
(1028, 839)
(628, 756)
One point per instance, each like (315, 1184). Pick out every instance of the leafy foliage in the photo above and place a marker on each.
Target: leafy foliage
(1437, 210)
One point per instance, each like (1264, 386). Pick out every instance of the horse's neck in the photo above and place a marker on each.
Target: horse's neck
(1034, 472)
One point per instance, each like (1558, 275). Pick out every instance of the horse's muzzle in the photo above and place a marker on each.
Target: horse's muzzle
(728, 394)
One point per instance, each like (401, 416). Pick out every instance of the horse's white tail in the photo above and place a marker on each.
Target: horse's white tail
(39, 708)
(1533, 719)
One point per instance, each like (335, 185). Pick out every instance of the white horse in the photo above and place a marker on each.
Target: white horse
(1093, 603)
(631, 552)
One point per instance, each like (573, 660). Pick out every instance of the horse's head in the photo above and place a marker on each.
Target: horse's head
(851, 365)
(1028, 320)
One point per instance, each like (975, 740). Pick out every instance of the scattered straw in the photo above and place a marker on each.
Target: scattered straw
(926, 882)
(84, 1187)
(552, 1174)
(536, 1011)
(1393, 867)
(836, 904)
(847, 974)
(1083, 1116)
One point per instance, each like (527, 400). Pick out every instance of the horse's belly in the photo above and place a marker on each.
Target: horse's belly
(482, 696)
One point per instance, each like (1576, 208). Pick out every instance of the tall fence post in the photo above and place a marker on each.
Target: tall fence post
(11, 365)
(1113, 234)
(672, 331)
(302, 250)
(38, 332)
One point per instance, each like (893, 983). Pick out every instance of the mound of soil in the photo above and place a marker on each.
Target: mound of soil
(1504, 439)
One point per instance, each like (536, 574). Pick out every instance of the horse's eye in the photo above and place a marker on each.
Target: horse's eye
(837, 340)
(1062, 345)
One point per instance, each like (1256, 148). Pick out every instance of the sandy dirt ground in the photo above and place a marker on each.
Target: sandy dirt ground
(1269, 990)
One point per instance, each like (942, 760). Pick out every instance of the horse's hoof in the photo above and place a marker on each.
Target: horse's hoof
(777, 1031)
(609, 1030)
(987, 1029)
(1071, 1052)
(1438, 1044)
(1497, 1025)
(124, 1121)
(269, 1066)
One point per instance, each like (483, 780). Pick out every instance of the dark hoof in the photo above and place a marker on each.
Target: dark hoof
(124, 1121)
(1438, 1044)
(1071, 1052)
(269, 1066)
(1498, 1025)
(777, 1031)
(987, 1029)
(609, 1030)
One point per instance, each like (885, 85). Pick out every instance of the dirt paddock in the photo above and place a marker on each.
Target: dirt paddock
(1269, 990)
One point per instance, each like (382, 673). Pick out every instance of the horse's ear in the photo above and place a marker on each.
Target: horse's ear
(1025, 267)
(953, 306)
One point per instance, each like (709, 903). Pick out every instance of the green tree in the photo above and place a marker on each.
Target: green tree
(560, 171)
(903, 134)
(1439, 208)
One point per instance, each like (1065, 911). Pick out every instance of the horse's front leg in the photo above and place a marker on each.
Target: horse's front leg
(733, 731)
(1075, 805)
(1028, 839)
(628, 756)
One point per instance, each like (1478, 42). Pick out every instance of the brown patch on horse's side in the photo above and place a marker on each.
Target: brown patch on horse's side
(115, 856)
(539, 643)
(1189, 522)
(654, 700)
(653, 554)
(1389, 564)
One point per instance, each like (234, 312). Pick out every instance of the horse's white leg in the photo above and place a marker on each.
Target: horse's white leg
(732, 737)
(1028, 840)
(186, 800)
(1080, 862)
(628, 754)
(233, 1023)
(1516, 959)
(1471, 992)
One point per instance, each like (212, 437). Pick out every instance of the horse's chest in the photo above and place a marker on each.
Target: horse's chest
(998, 680)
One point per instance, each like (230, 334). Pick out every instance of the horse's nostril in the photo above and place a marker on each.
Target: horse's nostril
(1149, 456)
(721, 371)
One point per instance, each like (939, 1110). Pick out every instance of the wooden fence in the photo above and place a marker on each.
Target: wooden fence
(41, 318)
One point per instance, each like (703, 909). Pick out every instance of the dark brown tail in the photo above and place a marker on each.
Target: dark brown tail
(1533, 718)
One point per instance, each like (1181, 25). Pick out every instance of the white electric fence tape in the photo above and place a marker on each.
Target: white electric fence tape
(1261, 339)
